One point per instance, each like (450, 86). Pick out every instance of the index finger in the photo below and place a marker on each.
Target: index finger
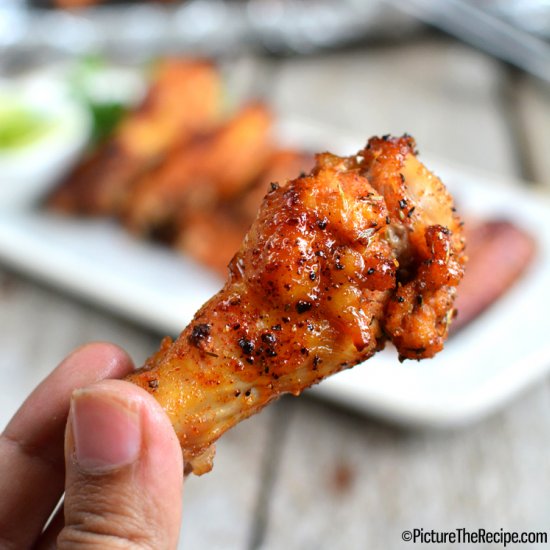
(31, 446)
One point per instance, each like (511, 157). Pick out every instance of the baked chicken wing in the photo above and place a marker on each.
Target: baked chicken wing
(363, 250)
(214, 165)
(184, 97)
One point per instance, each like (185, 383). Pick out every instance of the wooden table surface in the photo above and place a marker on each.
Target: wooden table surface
(304, 474)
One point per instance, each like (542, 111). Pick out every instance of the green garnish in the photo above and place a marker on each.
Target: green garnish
(106, 114)
(105, 118)
(20, 125)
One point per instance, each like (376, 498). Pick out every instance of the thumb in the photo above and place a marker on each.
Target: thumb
(124, 471)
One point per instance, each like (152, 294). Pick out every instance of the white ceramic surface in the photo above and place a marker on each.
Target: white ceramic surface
(29, 171)
(489, 361)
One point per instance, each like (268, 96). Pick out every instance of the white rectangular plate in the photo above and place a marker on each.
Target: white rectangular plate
(490, 360)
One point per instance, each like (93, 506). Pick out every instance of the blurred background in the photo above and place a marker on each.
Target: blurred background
(461, 443)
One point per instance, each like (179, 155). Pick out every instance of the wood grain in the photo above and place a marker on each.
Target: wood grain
(444, 94)
(348, 481)
(534, 111)
(304, 475)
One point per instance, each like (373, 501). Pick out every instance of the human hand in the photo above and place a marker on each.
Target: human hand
(109, 445)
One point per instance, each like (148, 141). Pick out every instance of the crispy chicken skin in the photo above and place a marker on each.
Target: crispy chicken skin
(185, 96)
(427, 239)
(362, 250)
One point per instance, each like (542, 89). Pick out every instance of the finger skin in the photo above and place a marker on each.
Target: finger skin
(137, 505)
(31, 446)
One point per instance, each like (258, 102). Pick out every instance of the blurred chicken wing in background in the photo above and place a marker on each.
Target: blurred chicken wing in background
(183, 98)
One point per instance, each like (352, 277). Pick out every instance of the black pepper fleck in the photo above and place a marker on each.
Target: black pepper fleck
(199, 333)
(246, 345)
(370, 270)
(303, 305)
(268, 338)
(403, 203)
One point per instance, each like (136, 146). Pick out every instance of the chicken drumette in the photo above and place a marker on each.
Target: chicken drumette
(363, 250)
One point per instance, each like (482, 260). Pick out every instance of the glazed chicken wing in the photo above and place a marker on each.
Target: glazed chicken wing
(183, 99)
(362, 250)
